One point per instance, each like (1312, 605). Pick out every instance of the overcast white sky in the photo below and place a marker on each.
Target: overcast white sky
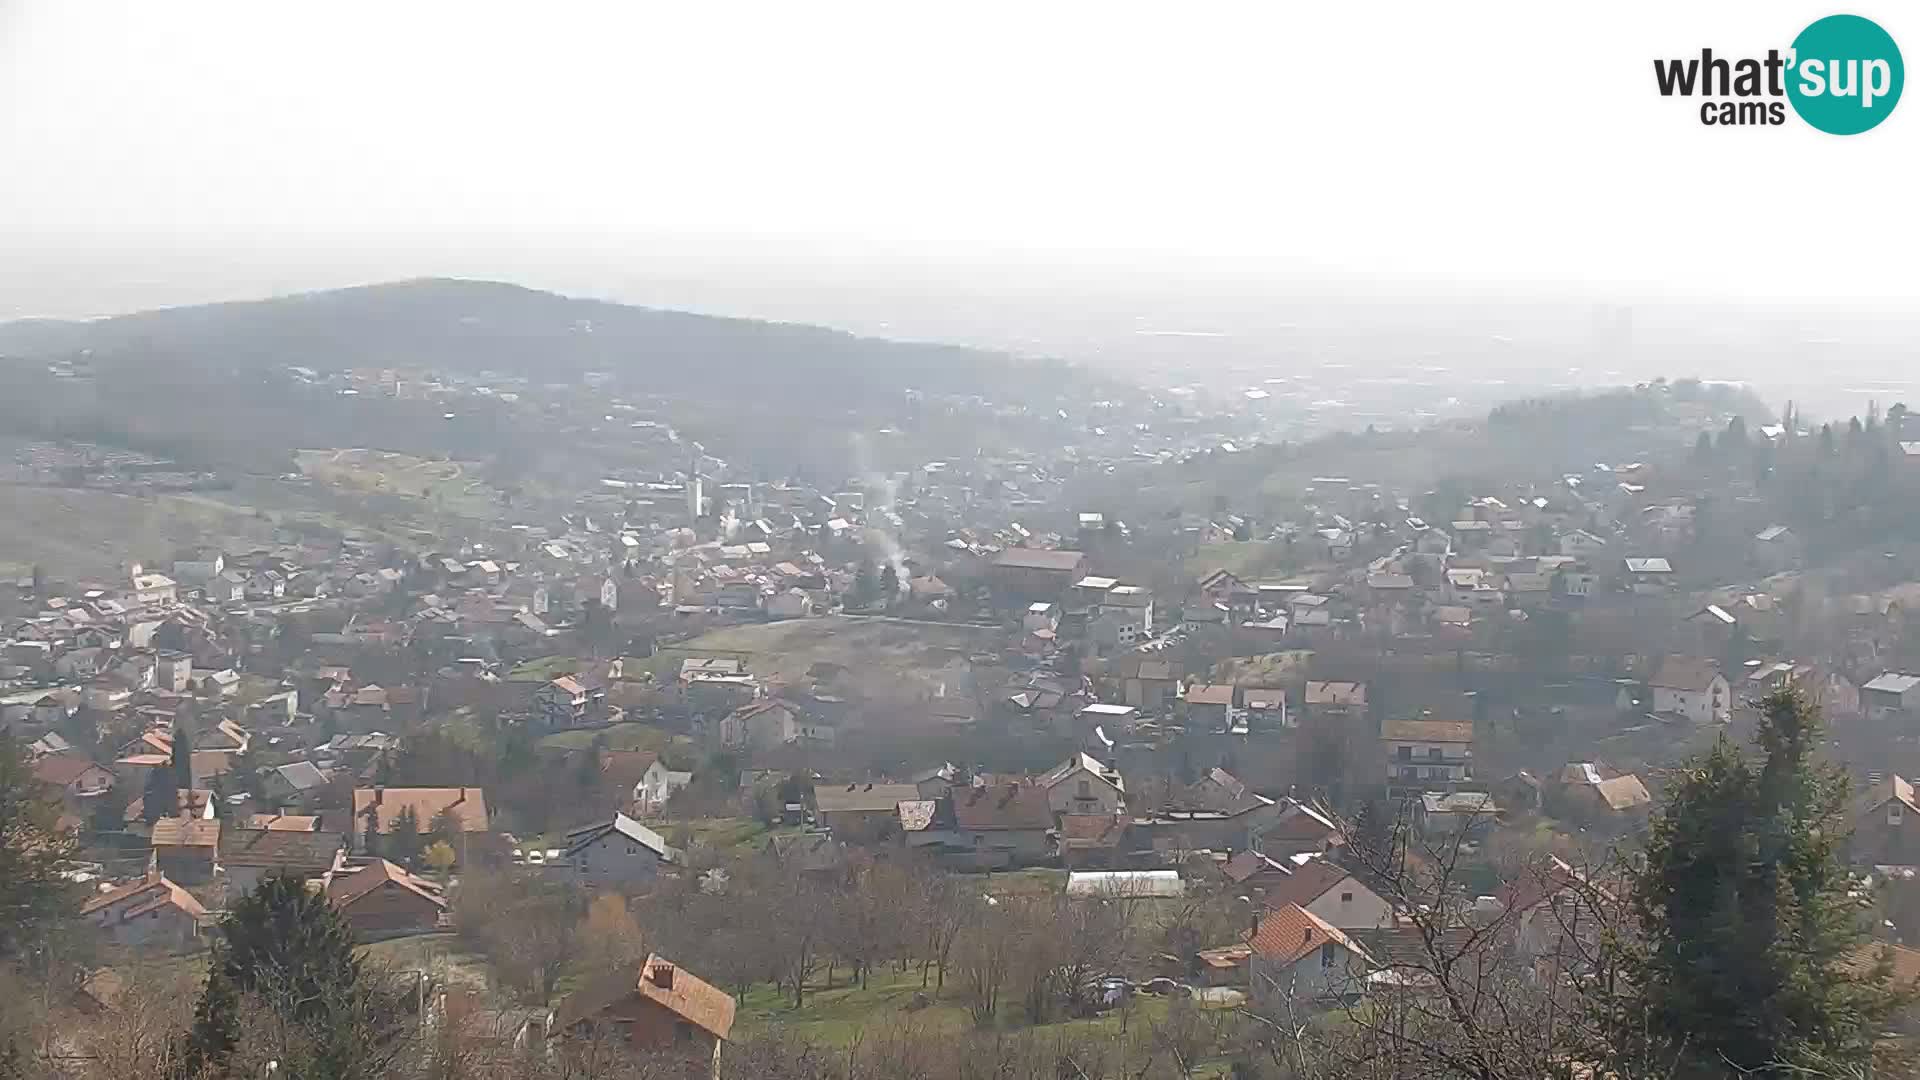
(1486, 142)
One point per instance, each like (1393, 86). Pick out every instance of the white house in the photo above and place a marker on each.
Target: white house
(1428, 751)
(1132, 607)
(656, 786)
(1581, 543)
(1082, 785)
(1298, 955)
(1330, 893)
(153, 589)
(1692, 687)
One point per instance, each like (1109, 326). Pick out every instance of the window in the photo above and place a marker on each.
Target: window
(1326, 957)
(1434, 753)
(1086, 789)
(1346, 898)
(1406, 753)
(1896, 811)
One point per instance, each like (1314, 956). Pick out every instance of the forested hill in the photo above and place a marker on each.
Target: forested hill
(459, 325)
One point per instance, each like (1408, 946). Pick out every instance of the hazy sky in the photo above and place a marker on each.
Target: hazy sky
(1487, 142)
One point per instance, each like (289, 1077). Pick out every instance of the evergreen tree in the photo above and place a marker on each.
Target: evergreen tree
(403, 841)
(370, 831)
(284, 944)
(182, 753)
(33, 855)
(1745, 915)
(889, 582)
(1703, 447)
(866, 583)
(161, 798)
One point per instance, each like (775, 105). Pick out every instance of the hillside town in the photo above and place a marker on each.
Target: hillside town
(856, 708)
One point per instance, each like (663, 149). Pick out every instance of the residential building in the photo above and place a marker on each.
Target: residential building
(1448, 812)
(1132, 608)
(1890, 694)
(186, 849)
(1303, 957)
(251, 854)
(154, 590)
(656, 786)
(150, 912)
(662, 1008)
(379, 899)
(375, 809)
(862, 812)
(1036, 573)
(1886, 825)
(1428, 751)
(772, 723)
(1083, 785)
(1003, 824)
(297, 783)
(618, 853)
(1330, 892)
(1149, 683)
(572, 701)
(79, 780)
(1691, 687)
(1209, 705)
(1335, 699)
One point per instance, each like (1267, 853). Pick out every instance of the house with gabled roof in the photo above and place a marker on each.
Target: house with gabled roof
(1302, 956)
(1886, 825)
(250, 855)
(152, 911)
(1002, 824)
(186, 849)
(661, 1008)
(378, 898)
(618, 853)
(1692, 687)
(1084, 785)
(1331, 892)
(862, 812)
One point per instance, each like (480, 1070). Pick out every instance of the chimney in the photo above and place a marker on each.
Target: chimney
(661, 975)
(379, 795)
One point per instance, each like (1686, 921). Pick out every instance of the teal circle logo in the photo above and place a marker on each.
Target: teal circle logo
(1847, 75)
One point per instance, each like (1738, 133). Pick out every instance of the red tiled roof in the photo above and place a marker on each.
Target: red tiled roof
(467, 804)
(1434, 731)
(1309, 881)
(187, 832)
(1001, 807)
(1091, 830)
(1286, 935)
(349, 884)
(60, 770)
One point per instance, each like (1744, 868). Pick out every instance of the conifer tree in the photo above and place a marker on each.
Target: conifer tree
(284, 944)
(1746, 922)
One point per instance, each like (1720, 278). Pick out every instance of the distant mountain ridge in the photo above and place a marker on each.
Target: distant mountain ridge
(466, 325)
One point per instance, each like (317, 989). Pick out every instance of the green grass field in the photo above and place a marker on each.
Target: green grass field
(544, 669)
(839, 1016)
(633, 736)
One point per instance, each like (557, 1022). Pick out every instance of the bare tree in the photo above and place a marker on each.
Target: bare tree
(1506, 990)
